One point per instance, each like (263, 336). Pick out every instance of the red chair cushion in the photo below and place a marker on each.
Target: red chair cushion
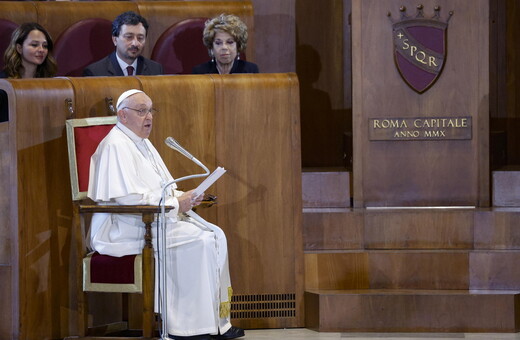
(87, 139)
(6, 30)
(81, 44)
(110, 269)
(180, 47)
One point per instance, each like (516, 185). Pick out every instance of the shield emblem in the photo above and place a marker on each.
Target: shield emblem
(420, 49)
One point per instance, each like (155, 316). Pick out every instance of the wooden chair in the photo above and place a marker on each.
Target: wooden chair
(83, 137)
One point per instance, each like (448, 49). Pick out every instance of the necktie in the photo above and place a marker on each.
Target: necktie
(130, 70)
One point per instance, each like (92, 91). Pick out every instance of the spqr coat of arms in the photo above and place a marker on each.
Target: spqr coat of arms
(420, 47)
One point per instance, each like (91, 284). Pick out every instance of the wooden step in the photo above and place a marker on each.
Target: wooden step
(413, 269)
(353, 229)
(375, 310)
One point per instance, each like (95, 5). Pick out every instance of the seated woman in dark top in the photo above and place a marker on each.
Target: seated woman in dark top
(225, 37)
(29, 53)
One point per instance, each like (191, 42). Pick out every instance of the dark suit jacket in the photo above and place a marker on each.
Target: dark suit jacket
(109, 66)
(239, 66)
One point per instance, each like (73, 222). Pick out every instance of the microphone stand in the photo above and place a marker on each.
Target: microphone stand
(162, 242)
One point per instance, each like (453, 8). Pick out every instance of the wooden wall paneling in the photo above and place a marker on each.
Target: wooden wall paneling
(186, 107)
(275, 35)
(18, 11)
(5, 186)
(7, 326)
(257, 135)
(56, 17)
(8, 240)
(163, 14)
(40, 211)
(418, 173)
(9, 161)
(90, 94)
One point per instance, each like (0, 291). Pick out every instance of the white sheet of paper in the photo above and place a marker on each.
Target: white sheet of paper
(212, 178)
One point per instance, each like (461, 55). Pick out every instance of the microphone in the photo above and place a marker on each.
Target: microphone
(172, 143)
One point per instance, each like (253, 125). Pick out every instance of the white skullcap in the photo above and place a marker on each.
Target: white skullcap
(125, 95)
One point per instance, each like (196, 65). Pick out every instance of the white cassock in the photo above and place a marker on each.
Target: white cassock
(126, 170)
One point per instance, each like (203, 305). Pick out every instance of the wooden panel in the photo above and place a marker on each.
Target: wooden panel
(332, 229)
(326, 188)
(421, 173)
(5, 185)
(275, 32)
(419, 270)
(41, 215)
(506, 187)
(497, 229)
(257, 135)
(18, 12)
(188, 118)
(495, 270)
(71, 12)
(91, 93)
(413, 311)
(419, 229)
(341, 270)
(163, 14)
(7, 326)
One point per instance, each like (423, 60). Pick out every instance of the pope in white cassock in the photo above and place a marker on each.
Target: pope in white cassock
(126, 169)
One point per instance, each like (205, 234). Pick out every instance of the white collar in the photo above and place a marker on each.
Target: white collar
(124, 65)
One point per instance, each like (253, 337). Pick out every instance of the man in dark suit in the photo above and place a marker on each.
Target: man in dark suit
(129, 31)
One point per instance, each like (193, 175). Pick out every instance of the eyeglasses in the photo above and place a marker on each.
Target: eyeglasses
(143, 112)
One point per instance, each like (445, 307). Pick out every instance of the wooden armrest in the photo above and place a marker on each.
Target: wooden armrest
(122, 209)
(147, 212)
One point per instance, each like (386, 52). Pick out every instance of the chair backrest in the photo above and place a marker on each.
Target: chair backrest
(6, 29)
(180, 47)
(83, 138)
(81, 44)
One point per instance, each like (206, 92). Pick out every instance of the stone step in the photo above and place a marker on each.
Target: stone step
(376, 310)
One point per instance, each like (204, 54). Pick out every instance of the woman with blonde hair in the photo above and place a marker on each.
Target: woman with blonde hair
(225, 37)
(29, 53)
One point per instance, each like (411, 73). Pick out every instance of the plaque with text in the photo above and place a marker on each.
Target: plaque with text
(431, 128)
